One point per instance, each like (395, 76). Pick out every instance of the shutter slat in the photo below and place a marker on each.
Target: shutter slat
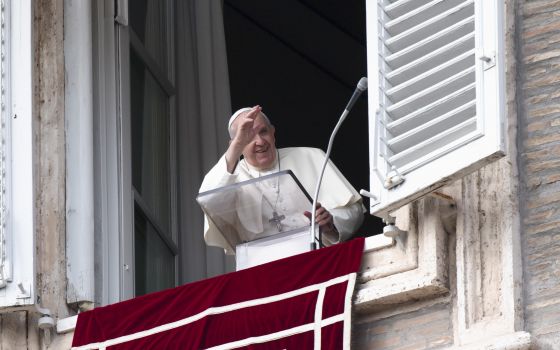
(433, 127)
(430, 26)
(433, 76)
(421, 48)
(419, 15)
(439, 107)
(433, 58)
(432, 94)
(404, 160)
(401, 7)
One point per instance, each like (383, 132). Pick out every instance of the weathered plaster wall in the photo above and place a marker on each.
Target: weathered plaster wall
(18, 330)
(539, 154)
(50, 167)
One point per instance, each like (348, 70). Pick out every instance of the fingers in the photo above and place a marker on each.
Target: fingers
(245, 125)
(254, 112)
(322, 216)
(318, 212)
(247, 120)
(244, 133)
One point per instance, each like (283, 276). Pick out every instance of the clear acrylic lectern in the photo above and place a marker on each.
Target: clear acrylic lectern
(262, 218)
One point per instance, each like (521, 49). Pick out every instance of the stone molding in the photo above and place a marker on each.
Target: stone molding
(513, 341)
(415, 266)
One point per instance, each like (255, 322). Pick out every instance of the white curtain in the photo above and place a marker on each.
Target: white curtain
(203, 110)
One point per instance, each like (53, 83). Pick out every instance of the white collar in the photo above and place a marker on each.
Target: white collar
(256, 172)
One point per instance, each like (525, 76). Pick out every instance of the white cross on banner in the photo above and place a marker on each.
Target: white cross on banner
(301, 302)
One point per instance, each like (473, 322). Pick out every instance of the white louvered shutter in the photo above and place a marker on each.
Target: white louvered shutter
(5, 270)
(436, 87)
(17, 248)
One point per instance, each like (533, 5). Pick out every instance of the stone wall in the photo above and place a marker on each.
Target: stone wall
(420, 326)
(539, 159)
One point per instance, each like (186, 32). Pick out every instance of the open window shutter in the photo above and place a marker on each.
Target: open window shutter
(17, 249)
(5, 270)
(436, 101)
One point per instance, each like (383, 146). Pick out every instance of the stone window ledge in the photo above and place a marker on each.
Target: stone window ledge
(415, 265)
(514, 341)
(66, 325)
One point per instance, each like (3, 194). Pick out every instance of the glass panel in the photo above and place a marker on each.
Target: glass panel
(270, 205)
(154, 262)
(150, 142)
(148, 20)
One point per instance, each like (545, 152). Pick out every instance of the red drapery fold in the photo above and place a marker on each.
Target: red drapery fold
(301, 302)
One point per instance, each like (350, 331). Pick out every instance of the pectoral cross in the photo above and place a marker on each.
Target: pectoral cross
(277, 219)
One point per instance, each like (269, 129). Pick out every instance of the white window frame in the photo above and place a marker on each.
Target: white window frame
(114, 203)
(469, 156)
(19, 209)
(130, 41)
(106, 124)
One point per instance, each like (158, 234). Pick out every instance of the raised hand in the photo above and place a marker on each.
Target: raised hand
(244, 134)
(244, 131)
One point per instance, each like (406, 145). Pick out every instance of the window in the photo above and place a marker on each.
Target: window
(148, 226)
(152, 123)
(16, 213)
(436, 96)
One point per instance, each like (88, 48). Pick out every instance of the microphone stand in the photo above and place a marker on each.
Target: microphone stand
(327, 155)
(362, 86)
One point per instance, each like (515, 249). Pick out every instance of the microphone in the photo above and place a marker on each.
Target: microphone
(361, 87)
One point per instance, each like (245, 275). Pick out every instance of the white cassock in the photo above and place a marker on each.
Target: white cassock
(336, 195)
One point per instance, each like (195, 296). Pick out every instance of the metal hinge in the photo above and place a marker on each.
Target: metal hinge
(23, 294)
(5, 275)
(393, 179)
(489, 61)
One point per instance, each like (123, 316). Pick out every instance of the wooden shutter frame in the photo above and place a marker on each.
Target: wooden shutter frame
(20, 287)
(490, 104)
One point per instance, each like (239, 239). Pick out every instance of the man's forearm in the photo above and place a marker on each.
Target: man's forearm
(232, 156)
(218, 176)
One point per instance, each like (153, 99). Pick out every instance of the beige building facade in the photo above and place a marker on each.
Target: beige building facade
(477, 265)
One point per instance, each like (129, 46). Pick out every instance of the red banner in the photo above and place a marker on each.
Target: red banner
(301, 302)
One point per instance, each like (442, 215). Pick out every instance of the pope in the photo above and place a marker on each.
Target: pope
(252, 153)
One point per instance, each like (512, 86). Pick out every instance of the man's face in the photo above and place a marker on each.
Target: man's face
(261, 151)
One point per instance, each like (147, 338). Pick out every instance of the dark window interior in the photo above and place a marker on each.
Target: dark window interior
(301, 60)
